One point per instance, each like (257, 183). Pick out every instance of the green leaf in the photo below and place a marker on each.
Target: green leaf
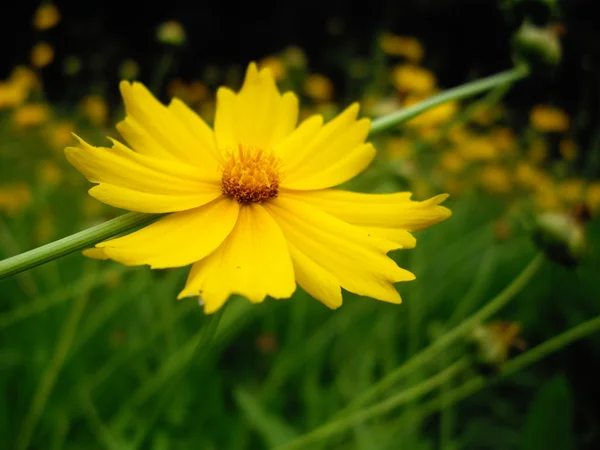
(550, 417)
(271, 428)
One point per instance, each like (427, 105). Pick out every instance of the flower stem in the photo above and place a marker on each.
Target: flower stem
(130, 221)
(459, 92)
(534, 355)
(380, 408)
(453, 335)
(78, 241)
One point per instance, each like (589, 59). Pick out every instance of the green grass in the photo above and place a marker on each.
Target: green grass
(96, 355)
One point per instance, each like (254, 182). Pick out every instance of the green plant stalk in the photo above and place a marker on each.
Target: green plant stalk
(173, 367)
(454, 396)
(403, 397)
(453, 335)
(78, 241)
(523, 361)
(457, 93)
(51, 374)
(130, 221)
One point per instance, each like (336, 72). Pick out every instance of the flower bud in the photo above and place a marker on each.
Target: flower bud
(561, 237)
(536, 46)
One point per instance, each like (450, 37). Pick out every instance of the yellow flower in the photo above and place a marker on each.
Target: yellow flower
(408, 47)
(549, 119)
(568, 149)
(538, 151)
(592, 196)
(496, 179)
(31, 115)
(531, 177)
(571, 190)
(399, 148)
(94, 107)
(318, 87)
(50, 173)
(452, 162)
(478, 148)
(60, 134)
(171, 32)
(409, 78)
(14, 198)
(433, 117)
(11, 95)
(46, 17)
(250, 202)
(42, 55)
(504, 139)
(276, 65)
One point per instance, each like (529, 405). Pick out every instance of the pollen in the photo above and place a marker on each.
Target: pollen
(251, 175)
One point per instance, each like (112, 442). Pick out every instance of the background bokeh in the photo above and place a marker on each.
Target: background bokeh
(97, 355)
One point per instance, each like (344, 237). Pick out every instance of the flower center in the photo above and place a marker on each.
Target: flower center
(250, 175)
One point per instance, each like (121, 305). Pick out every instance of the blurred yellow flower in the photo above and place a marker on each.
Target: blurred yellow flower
(548, 200)
(592, 196)
(407, 78)
(42, 55)
(399, 148)
(46, 17)
(495, 179)
(452, 162)
(548, 119)
(32, 115)
(129, 69)
(294, 57)
(11, 95)
(25, 77)
(433, 117)
(171, 32)
(192, 93)
(250, 203)
(276, 65)
(571, 190)
(568, 149)
(14, 198)
(318, 87)
(537, 151)
(60, 134)
(504, 139)
(531, 177)
(478, 148)
(94, 107)
(50, 173)
(407, 47)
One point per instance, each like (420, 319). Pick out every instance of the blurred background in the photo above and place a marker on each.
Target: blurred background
(98, 355)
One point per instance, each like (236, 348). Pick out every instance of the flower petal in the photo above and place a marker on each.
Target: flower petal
(315, 280)
(353, 256)
(254, 261)
(391, 211)
(320, 157)
(123, 172)
(258, 116)
(164, 127)
(177, 240)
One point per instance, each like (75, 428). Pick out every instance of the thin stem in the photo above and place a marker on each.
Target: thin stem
(380, 408)
(457, 93)
(175, 365)
(74, 242)
(523, 361)
(51, 374)
(453, 335)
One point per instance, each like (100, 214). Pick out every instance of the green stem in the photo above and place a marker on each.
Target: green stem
(380, 408)
(453, 335)
(457, 93)
(52, 372)
(130, 221)
(173, 367)
(78, 241)
(523, 361)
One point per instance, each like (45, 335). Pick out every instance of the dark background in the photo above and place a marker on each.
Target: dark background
(463, 39)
